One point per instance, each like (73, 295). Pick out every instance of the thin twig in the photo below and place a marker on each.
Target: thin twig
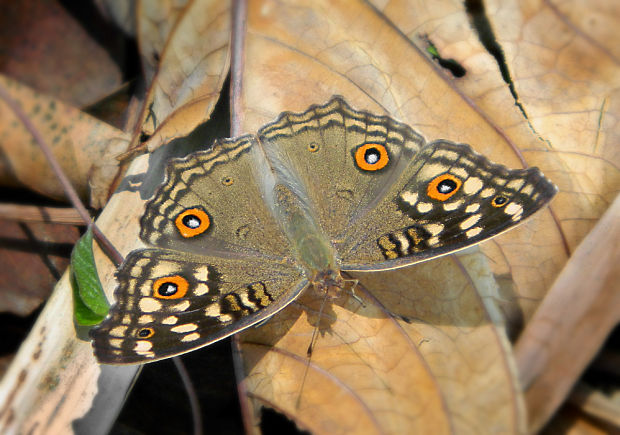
(72, 195)
(237, 49)
(35, 213)
(191, 394)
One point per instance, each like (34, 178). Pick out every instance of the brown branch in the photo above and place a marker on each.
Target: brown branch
(237, 49)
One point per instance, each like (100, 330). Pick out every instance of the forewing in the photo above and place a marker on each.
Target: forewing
(320, 155)
(449, 198)
(212, 203)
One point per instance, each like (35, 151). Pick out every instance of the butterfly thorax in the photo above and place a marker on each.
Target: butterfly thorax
(328, 282)
(312, 248)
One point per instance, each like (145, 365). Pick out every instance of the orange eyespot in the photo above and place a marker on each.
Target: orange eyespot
(170, 287)
(371, 157)
(443, 187)
(145, 332)
(192, 222)
(499, 201)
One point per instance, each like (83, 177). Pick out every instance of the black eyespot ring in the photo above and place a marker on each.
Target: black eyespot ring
(499, 201)
(146, 333)
(313, 147)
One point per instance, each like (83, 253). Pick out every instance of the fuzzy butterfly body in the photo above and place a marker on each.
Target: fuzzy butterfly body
(239, 231)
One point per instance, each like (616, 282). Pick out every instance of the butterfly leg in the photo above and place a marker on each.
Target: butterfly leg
(354, 283)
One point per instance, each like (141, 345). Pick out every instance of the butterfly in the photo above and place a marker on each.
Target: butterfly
(238, 231)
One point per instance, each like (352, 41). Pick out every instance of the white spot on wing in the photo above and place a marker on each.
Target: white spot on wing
(201, 289)
(472, 208)
(191, 337)
(181, 306)
(143, 345)
(473, 232)
(149, 305)
(225, 318)
(434, 229)
(188, 327)
(472, 185)
(527, 190)
(450, 155)
(513, 208)
(487, 192)
(515, 184)
(115, 342)
(202, 273)
(409, 197)
(142, 263)
(451, 206)
(146, 318)
(404, 243)
(433, 241)
(429, 172)
(424, 207)
(146, 288)
(212, 310)
(118, 331)
(459, 172)
(170, 320)
(143, 348)
(470, 221)
(167, 268)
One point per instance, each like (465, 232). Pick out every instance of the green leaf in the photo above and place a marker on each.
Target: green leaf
(90, 305)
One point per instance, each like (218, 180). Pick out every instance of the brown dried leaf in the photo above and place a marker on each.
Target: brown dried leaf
(155, 22)
(447, 370)
(573, 321)
(192, 70)
(37, 253)
(43, 46)
(85, 147)
(120, 12)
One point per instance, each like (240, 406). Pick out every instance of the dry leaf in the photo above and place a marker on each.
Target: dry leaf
(573, 321)
(43, 46)
(155, 22)
(37, 253)
(192, 70)
(84, 146)
(446, 370)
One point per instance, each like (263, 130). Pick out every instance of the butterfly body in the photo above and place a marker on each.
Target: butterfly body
(240, 230)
